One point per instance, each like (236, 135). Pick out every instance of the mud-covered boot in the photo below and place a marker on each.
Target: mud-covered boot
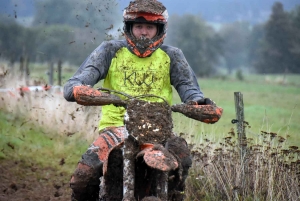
(91, 194)
(85, 184)
(179, 147)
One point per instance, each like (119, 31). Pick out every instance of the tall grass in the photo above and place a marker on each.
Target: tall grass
(48, 109)
(267, 172)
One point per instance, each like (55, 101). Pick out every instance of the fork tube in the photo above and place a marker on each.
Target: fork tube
(128, 170)
(162, 187)
(102, 189)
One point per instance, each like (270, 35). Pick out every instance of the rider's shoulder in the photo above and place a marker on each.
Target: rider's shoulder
(171, 50)
(113, 43)
(109, 47)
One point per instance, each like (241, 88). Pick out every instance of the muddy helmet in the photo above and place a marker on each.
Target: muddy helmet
(145, 11)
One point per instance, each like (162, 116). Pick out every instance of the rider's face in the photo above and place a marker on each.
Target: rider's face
(144, 29)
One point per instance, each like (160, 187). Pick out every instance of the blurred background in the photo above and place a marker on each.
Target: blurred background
(218, 37)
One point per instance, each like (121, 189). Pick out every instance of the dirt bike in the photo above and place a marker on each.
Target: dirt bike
(151, 161)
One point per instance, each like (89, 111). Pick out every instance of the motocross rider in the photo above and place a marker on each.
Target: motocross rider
(141, 64)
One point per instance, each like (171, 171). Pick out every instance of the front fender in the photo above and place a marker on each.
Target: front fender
(159, 158)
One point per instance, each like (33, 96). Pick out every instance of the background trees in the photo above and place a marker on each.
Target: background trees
(279, 49)
(198, 41)
(235, 40)
(67, 30)
(11, 37)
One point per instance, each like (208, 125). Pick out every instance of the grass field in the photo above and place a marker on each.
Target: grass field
(23, 140)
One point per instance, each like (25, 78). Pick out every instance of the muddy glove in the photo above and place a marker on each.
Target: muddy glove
(88, 96)
(85, 94)
(77, 89)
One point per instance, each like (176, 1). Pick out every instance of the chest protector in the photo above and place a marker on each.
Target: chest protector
(136, 76)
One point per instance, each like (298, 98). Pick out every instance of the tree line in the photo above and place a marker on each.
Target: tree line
(69, 31)
(269, 47)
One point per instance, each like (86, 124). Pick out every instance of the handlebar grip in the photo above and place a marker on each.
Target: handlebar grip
(205, 113)
(88, 96)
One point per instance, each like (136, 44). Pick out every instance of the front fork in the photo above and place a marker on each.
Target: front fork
(162, 186)
(129, 174)
(128, 169)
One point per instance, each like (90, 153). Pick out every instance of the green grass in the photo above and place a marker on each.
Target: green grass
(21, 139)
(269, 107)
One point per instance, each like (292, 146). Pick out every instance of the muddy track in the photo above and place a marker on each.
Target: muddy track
(19, 182)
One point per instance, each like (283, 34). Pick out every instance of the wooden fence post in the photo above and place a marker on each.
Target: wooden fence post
(12, 64)
(50, 73)
(239, 109)
(242, 139)
(59, 72)
(21, 66)
(27, 71)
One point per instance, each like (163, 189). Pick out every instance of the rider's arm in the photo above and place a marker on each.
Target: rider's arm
(93, 69)
(182, 76)
(84, 76)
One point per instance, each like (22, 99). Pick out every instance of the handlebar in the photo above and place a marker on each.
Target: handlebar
(96, 97)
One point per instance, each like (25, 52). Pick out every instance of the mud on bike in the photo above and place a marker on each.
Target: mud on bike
(152, 162)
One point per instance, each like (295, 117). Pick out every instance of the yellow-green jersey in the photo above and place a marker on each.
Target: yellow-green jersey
(125, 72)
